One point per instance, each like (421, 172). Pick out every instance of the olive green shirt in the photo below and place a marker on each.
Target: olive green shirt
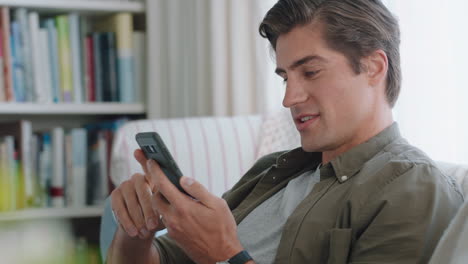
(383, 201)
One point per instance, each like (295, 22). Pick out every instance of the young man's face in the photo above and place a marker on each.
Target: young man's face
(329, 102)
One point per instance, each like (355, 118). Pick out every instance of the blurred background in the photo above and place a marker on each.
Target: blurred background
(190, 58)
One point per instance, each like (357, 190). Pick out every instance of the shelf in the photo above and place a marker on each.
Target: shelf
(77, 5)
(71, 109)
(48, 213)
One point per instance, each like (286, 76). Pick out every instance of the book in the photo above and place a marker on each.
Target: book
(10, 174)
(4, 185)
(2, 81)
(7, 61)
(139, 65)
(76, 55)
(11, 184)
(22, 132)
(46, 67)
(76, 184)
(7, 196)
(37, 73)
(90, 79)
(45, 171)
(68, 185)
(24, 43)
(58, 177)
(65, 60)
(95, 186)
(122, 25)
(18, 69)
(108, 65)
(49, 24)
(37, 198)
(84, 29)
(98, 78)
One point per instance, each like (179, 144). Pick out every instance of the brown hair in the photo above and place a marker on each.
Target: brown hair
(356, 28)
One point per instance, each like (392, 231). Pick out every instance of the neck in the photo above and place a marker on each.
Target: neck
(371, 128)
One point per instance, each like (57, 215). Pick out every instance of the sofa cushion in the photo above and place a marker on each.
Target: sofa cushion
(278, 133)
(214, 151)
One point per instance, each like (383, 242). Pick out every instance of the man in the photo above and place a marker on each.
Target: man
(355, 192)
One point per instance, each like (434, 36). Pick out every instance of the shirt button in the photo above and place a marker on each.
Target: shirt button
(344, 178)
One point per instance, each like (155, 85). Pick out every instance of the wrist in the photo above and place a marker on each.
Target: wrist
(233, 250)
(243, 257)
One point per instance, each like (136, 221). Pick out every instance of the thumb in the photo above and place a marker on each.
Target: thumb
(197, 191)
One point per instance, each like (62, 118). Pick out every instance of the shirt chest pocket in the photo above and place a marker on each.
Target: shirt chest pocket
(339, 245)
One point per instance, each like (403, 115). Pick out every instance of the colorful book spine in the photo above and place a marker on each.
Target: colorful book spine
(21, 15)
(90, 78)
(45, 170)
(11, 172)
(139, 65)
(2, 80)
(46, 69)
(124, 29)
(19, 83)
(75, 47)
(65, 60)
(7, 61)
(54, 59)
(57, 191)
(5, 186)
(98, 78)
(26, 161)
(85, 78)
(79, 165)
(109, 67)
(37, 64)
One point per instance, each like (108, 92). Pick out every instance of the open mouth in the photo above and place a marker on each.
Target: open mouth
(304, 121)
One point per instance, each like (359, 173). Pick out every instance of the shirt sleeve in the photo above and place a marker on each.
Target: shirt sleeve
(404, 220)
(170, 252)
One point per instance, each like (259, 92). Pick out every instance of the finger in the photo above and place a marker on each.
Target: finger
(144, 194)
(160, 205)
(198, 191)
(121, 213)
(135, 211)
(140, 157)
(164, 186)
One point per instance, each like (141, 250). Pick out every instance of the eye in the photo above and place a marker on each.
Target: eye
(285, 80)
(310, 74)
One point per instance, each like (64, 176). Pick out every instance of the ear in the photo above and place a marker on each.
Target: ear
(377, 67)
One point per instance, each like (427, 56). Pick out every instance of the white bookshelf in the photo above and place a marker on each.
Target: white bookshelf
(70, 114)
(71, 109)
(51, 213)
(77, 5)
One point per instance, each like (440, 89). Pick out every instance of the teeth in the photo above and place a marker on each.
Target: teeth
(304, 119)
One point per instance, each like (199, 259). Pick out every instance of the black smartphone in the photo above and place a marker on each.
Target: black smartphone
(154, 148)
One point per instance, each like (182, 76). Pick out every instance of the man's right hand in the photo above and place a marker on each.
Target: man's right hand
(132, 206)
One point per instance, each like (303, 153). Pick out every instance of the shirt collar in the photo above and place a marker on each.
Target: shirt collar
(345, 165)
(349, 163)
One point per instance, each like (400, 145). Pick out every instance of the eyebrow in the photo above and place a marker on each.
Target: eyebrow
(300, 62)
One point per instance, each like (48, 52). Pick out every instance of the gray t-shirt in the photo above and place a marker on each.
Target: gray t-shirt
(260, 231)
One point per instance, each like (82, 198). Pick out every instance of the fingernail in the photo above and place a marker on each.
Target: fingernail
(188, 181)
(133, 232)
(144, 232)
(151, 224)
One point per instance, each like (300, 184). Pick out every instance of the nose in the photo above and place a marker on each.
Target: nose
(295, 94)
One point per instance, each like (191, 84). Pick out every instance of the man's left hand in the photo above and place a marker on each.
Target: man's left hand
(203, 227)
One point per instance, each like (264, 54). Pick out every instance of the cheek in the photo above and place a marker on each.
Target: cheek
(341, 100)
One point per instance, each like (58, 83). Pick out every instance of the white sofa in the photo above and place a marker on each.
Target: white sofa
(217, 151)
